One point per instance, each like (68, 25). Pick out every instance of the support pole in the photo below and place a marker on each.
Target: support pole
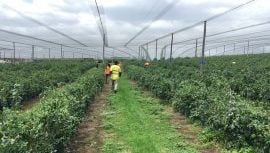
(103, 49)
(139, 56)
(171, 48)
(196, 48)
(142, 54)
(62, 51)
(145, 55)
(156, 49)
(14, 52)
(234, 47)
(248, 47)
(33, 52)
(147, 51)
(203, 46)
(164, 53)
(161, 53)
(49, 53)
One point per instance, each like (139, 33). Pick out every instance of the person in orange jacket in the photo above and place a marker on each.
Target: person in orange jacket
(107, 72)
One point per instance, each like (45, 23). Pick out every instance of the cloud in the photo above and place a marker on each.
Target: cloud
(218, 10)
(124, 18)
(113, 3)
(211, 2)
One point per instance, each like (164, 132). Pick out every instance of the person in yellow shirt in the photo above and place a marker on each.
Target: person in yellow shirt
(146, 64)
(115, 75)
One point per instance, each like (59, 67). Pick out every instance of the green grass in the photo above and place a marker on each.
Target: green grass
(135, 123)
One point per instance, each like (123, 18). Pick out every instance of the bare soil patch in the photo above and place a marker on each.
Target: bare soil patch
(30, 103)
(90, 134)
(189, 131)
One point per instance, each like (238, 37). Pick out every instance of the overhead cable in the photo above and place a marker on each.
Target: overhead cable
(45, 25)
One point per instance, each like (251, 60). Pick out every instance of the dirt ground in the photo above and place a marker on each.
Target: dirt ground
(90, 134)
(30, 103)
(189, 131)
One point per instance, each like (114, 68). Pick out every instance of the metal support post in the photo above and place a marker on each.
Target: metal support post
(103, 49)
(33, 52)
(196, 48)
(171, 48)
(49, 53)
(248, 47)
(164, 53)
(203, 46)
(147, 47)
(156, 49)
(62, 55)
(14, 52)
(139, 54)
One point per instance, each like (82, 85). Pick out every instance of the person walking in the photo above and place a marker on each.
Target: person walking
(115, 75)
(146, 64)
(107, 72)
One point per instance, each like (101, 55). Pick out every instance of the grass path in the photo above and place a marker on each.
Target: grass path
(135, 123)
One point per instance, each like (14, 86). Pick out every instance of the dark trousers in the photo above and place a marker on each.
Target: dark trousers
(107, 77)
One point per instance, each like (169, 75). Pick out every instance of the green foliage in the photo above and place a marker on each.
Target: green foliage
(230, 99)
(220, 110)
(27, 80)
(49, 125)
(160, 87)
